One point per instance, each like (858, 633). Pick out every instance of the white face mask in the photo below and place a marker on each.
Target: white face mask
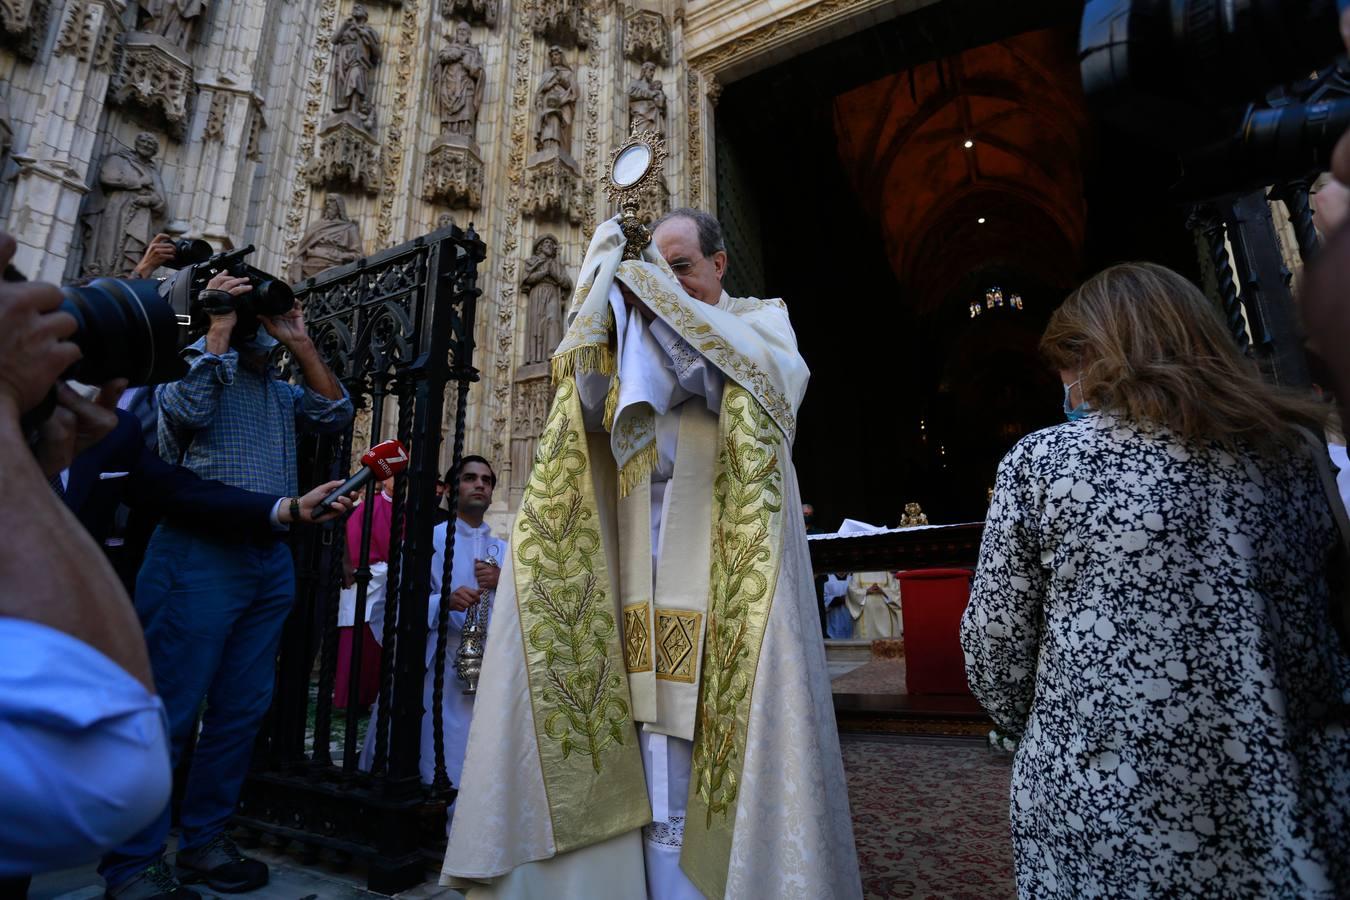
(1074, 413)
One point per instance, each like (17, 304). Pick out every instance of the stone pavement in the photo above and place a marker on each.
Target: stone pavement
(291, 880)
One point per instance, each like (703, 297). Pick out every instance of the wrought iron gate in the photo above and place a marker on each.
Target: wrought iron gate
(397, 325)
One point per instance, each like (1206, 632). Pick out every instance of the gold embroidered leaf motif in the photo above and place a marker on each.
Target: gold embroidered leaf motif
(748, 498)
(637, 618)
(676, 641)
(558, 548)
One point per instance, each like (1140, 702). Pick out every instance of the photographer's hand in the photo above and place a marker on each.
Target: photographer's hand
(76, 425)
(160, 251)
(222, 325)
(289, 328)
(33, 349)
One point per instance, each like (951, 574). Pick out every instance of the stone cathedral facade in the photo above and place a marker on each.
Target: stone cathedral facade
(322, 130)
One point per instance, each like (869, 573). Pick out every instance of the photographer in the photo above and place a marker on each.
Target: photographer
(75, 683)
(213, 608)
(161, 251)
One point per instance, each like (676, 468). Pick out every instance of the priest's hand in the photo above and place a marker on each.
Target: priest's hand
(632, 301)
(487, 575)
(463, 598)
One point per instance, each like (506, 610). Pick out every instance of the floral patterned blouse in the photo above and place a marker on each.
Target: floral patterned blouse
(1152, 618)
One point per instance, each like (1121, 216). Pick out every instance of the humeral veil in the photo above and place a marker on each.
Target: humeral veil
(722, 646)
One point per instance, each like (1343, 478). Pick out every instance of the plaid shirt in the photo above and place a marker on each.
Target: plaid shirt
(230, 423)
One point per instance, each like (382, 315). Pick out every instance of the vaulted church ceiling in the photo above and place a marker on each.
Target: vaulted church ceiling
(903, 139)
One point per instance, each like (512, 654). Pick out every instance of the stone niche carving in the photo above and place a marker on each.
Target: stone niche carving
(453, 172)
(483, 11)
(155, 76)
(23, 24)
(563, 21)
(552, 176)
(653, 201)
(534, 393)
(647, 102)
(127, 209)
(553, 188)
(646, 37)
(547, 287)
(332, 241)
(348, 156)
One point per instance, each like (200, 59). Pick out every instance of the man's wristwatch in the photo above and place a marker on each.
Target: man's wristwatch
(295, 510)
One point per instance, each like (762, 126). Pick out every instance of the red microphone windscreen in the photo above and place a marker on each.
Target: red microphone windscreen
(386, 459)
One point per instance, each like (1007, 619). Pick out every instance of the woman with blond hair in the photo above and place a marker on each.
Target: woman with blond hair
(1151, 615)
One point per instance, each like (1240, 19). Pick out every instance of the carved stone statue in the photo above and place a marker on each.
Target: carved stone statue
(647, 103)
(332, 241)
(444, 220)
(173, 20)
(457, 83)
(547, 285)
(555, 103)
(356, 50)
(126, 211)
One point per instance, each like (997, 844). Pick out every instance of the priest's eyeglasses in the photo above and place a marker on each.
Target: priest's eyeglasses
(684, 266)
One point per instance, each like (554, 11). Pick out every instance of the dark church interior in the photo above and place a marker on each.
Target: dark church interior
(847, 187)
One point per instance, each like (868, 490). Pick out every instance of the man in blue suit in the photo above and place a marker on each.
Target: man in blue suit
(120, 469)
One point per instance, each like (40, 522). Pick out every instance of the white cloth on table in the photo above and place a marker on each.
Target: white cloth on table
(457, 707)
(66, 712)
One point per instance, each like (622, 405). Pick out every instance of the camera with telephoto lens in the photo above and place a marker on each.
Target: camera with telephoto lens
(1245, 92)
(124, 329)
(194, 304)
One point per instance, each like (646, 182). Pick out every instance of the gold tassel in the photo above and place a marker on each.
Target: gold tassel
(611, 402)
(583, 359)
(637, 469)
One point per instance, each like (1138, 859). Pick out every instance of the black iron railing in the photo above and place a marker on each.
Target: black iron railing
(396, 327)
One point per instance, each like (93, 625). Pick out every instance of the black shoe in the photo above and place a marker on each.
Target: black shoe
(155, 883)
(221, 865)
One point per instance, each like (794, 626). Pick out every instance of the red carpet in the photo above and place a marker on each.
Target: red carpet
(930, 818)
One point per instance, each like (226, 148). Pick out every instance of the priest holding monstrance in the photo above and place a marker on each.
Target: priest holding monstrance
(654, 716)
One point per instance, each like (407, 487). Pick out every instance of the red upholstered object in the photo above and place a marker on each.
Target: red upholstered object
(932, 601)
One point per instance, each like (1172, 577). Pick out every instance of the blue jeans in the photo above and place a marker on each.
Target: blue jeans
(212, 613)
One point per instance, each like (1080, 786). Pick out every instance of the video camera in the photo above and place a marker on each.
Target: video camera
(187, 294)
(1246, 92)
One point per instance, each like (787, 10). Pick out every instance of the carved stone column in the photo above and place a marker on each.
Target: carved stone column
(222, 151)
(54, 164)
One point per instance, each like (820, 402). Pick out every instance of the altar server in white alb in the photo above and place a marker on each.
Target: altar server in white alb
(654, 715)
(472, 572)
